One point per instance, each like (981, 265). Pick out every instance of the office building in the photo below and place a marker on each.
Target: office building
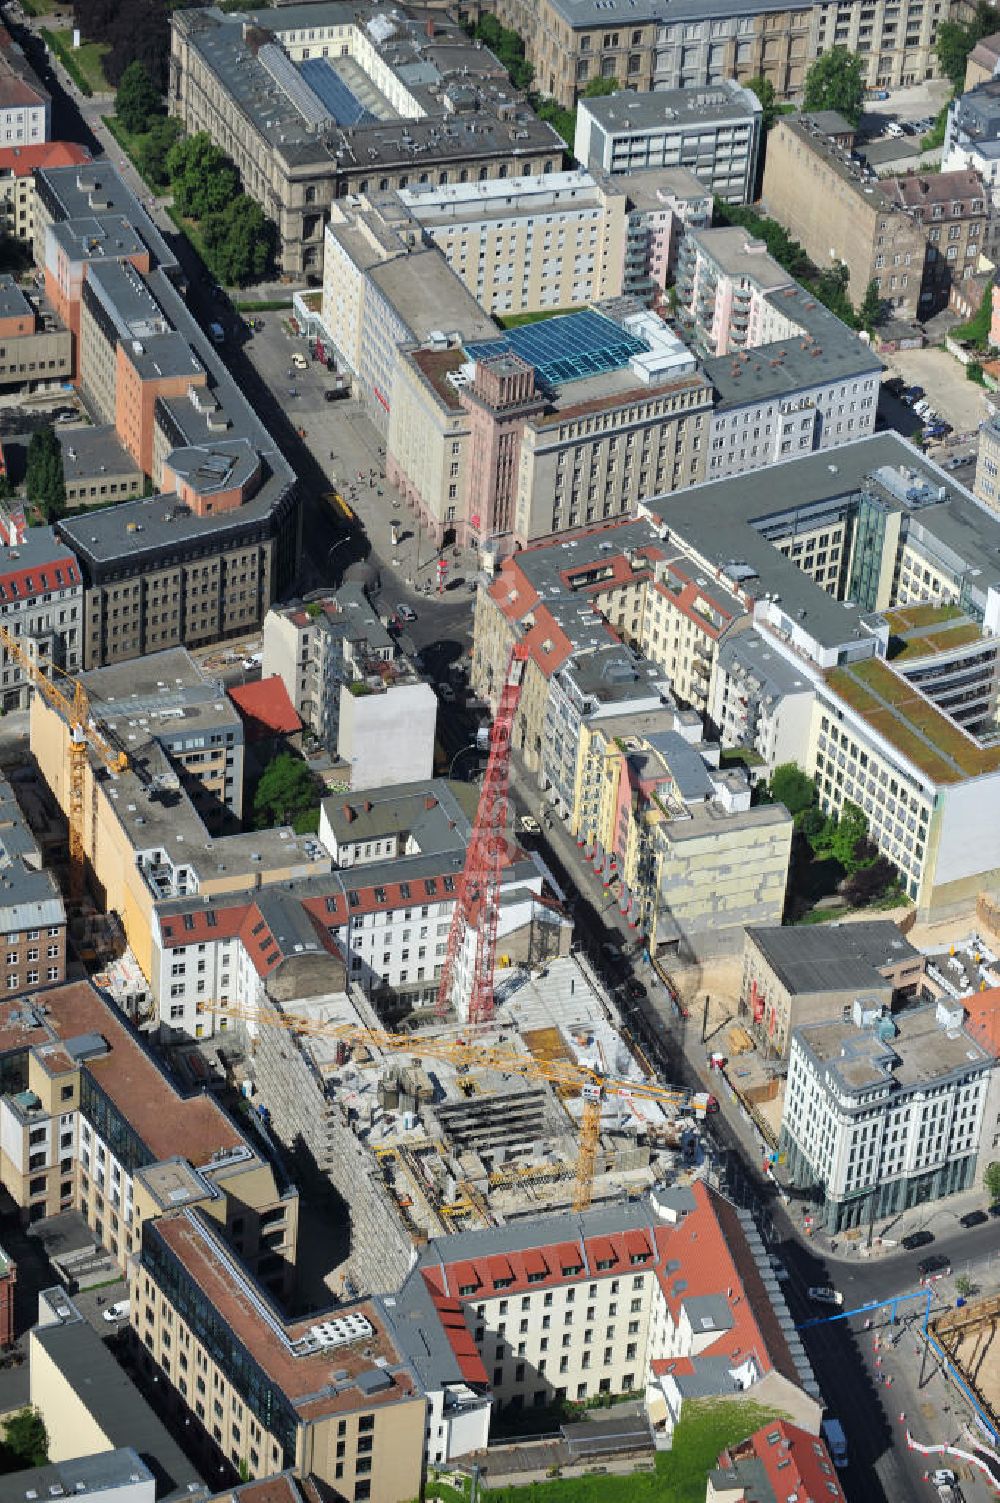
(18, 165)
(839, 212)
(793, 977)
(340, 668)
(338, 100)
(37, 352)
(655, 45)
(96, 467)
(25, 106)
(92, 1125)
(884, 1113)
(42, 596)
(204, 556)
(715, 132)
(32, 913)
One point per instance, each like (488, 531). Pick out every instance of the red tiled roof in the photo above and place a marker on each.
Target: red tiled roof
(984, 1018)
(265, 708)
(14, 92)
(23, 584)
(796, 1463)
(201, 924)
(19, 161)
(451, 1314)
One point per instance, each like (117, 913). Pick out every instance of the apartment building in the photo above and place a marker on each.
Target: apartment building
(547, 428)
(18, 165)
(986, 486)
(715, 132)
(884, 1113)
(838, 212)
(34, 350)
(41, 604)
(972, 136)
(776, 1458)
(32, 913)
(526, 244)
(724, 279)
(382, 927)
(343, 676)
(25, 106)
(796, 978)
(203, 558)
(678, 46)
(339, 101)
(90, 1124)
(674, 836)
(760, 700)
(959, 223)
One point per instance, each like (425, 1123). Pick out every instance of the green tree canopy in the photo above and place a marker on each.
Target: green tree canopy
(154, 149)
(792, 787)
(850, 839)
(764, 89)
(955, 40)
(286, 790)
(25, 1442)
(240, 242)
(991, 1180)
(137, 100)
(836, 82)
(203, 177)
(598, 88)
(44, 481)
(872, 310)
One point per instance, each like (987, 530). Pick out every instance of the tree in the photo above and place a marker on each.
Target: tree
(964, 1285)
(240, 242)
(44, 473)
(991, 1181)
(831, 289)
(956, 40)
(599, 87)
(836, 82)
(25, 1441)
(137, 100)
(764, 89)
(204, 179)
(872, 310)
(154, 149)
(869, 882)
(850, 834)
(286, 790)
(792, 787)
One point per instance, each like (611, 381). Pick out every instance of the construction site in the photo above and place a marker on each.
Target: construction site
(970, 1335)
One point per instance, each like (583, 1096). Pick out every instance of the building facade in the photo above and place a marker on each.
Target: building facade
(714, 132)
(331, 106)
(884, 1113)
(25, 106)
(972, 136)
(656, 46)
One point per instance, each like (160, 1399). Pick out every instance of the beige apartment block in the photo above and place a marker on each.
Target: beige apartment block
(812, 187)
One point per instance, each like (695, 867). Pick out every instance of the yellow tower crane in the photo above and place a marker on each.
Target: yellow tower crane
(593, 1085)
(84, 733)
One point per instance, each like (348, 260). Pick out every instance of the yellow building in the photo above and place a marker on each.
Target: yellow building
(331, 1397)
(91, 1125)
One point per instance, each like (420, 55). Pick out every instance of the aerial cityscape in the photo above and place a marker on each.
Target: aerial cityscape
(500, 749)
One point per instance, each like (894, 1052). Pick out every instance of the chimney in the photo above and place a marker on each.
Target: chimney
(368, 806)
(349, 813)
(430, 802)
(430, 26)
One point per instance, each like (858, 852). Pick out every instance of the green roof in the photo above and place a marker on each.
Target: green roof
(911, 723)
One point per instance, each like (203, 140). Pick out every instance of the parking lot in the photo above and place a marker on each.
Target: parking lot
(961, 402)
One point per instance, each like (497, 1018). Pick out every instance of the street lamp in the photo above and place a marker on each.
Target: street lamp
(472, 746)
(334, 546)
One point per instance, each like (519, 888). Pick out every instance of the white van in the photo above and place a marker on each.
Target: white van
(118, 1312)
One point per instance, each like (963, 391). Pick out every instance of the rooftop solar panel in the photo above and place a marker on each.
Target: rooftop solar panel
(324, 81)
(566, 347)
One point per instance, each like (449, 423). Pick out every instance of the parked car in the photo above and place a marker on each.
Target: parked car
(778, 1268)
(994, 1210)
(893, 129)
(937, 1266)
(917, 1239)
(528, 824)
(117, 1312)
(823, 1294)
(913, 393)
(406, 613)
(943, 1476)
(300, 362)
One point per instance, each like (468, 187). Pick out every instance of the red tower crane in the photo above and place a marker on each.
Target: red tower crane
(477, 906)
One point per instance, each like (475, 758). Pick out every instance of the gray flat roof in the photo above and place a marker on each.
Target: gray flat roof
(400, 809)
(119, 1409)
(833, 957)
(667, 109)
(102, 1472)
(915, 1051)
(585, 14)
(735, 251)
(90, 452)
(95, 188)
(429, 296)
(13, 303)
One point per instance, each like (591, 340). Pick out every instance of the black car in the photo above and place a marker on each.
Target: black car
(917, 1239)
(634, 990)
(937, 1266)
(973, 1218)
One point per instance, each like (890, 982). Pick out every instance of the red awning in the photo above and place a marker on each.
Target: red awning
(637, 1244)
(534, 1262)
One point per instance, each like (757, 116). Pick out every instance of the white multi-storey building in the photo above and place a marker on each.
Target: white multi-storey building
(884, 1113)
(41, 603)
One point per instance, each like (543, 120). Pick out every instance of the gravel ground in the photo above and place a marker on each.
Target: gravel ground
(957, 399)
